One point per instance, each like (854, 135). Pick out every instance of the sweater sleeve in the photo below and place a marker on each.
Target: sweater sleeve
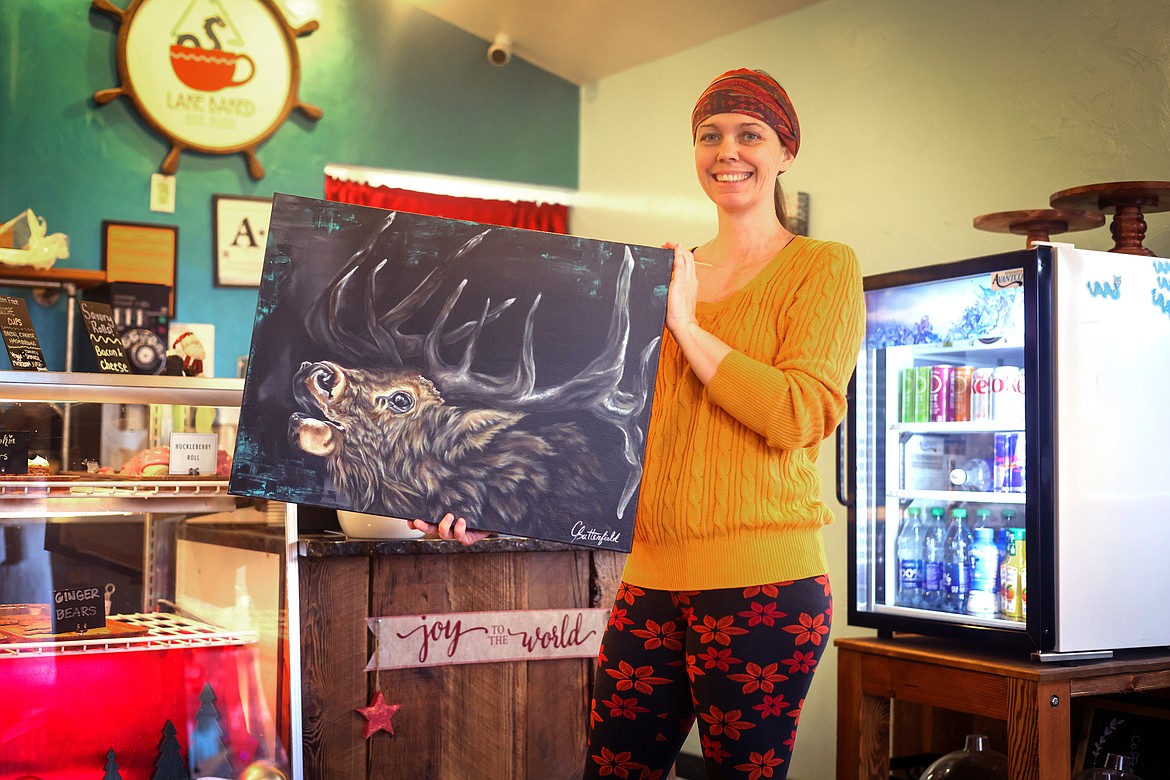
(798, 399)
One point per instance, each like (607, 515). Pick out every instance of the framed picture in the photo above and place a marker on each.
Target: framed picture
(1139, 732)
(406, 365)
(140, 253)
(239, 228)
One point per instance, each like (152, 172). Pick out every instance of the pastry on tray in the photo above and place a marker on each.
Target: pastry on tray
(39, 628)
(14, 616)
(38, 467)
(156, 462)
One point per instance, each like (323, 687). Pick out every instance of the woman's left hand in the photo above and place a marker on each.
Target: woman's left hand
(450, 527)
(683, 293)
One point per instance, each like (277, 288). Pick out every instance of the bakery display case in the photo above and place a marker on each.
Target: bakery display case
(143, 609)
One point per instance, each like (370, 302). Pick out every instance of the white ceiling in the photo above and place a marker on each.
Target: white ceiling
(586, 40)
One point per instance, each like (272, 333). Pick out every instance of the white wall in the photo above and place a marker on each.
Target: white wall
(916, 117)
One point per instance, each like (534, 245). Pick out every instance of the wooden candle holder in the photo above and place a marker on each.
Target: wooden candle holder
(1128, 201)
(1039, 224)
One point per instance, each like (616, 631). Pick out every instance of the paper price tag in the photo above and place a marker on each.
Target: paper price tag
(194, 453)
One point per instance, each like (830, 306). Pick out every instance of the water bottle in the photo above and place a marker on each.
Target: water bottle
(933, 547)
(957, 562)
(982, 598)
(975, 474)
(910, 559)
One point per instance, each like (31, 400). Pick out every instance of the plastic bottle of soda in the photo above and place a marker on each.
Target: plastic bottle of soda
(982, 597)
(1010, 601)
(933, 549)
(1024, 589)
(957, 562)
(910, 559)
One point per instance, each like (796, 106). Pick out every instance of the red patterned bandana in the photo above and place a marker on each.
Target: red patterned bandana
(754, 93)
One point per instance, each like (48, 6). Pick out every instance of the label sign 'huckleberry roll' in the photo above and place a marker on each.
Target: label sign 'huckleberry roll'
(194, 453)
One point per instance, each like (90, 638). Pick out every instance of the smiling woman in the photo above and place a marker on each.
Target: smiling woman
(726, 583)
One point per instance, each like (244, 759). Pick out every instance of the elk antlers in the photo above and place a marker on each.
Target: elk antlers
(344, 319)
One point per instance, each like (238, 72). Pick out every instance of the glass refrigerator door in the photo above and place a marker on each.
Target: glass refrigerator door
(940, 443)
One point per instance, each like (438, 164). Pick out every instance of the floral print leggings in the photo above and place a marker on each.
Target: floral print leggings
(741, 659)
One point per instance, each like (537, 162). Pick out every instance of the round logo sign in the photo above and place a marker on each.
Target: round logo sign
(216, 76)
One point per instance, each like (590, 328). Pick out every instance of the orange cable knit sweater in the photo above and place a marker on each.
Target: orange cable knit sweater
(730, 496)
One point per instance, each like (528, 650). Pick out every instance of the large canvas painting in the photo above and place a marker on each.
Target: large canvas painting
(409, 366)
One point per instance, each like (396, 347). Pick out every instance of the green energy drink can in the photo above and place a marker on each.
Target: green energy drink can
(906, 409)
(922, 394)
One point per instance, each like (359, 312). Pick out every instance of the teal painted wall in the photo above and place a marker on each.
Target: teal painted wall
(399, 88)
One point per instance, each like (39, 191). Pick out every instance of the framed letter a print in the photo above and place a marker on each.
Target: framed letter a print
(239, 226)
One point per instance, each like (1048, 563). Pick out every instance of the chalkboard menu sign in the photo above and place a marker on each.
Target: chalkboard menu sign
(1135, 731)
(19, 337)
(78, 609)
(13, 452)
(104, 337)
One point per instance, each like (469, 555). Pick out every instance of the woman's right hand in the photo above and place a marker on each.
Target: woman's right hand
(683, 293)
(450, 527)
(702, 350)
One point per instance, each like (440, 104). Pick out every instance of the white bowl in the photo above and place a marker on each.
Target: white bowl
(364, 526)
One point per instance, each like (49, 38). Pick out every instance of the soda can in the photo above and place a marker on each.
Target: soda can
(906, 395)
(981, 394)
(1016, 477)
(961, 393)
(1007, 462)
(1007, 394)
(941, 379)
(922, 394)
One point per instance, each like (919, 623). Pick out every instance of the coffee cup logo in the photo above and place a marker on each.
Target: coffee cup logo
(209, 70)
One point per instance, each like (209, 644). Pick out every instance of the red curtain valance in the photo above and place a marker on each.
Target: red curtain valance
(549, 217)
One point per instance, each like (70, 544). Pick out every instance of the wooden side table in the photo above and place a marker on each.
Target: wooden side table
(1033, 698)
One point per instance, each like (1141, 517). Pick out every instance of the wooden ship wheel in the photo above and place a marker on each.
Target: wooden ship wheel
(213, 76)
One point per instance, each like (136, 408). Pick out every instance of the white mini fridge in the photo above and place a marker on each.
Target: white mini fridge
(1027, 394)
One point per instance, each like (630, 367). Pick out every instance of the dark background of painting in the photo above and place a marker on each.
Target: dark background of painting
(311, 240)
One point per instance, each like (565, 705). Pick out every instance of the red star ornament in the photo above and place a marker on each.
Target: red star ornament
(378, 715)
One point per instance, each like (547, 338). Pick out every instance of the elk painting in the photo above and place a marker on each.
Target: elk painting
(410, 366)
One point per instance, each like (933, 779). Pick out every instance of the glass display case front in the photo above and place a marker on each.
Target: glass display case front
(940, 450)
(142, 608)
(1005, 438)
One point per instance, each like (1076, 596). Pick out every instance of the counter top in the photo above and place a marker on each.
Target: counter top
(330, 545)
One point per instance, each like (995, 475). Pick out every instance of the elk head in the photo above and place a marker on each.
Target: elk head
(343, 406)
